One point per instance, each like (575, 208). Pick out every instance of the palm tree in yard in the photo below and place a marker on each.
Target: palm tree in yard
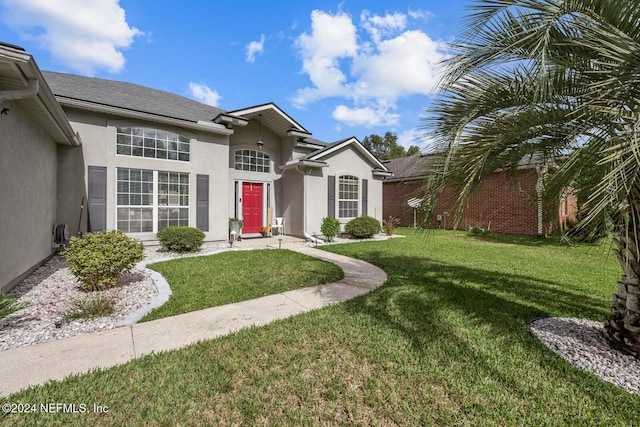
(552, 79)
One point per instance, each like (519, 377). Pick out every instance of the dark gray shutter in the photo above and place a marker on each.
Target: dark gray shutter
(97, 198)
(365, 197)
(331, 201)
(202, 202)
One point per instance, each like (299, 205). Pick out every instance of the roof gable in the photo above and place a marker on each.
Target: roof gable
(352, 143)
(274, 118)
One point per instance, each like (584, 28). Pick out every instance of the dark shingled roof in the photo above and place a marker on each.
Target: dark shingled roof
(418, 166)
(128, 96)
(410, 168)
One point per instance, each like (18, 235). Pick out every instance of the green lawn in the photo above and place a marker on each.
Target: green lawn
(443, 342)
(228, 277)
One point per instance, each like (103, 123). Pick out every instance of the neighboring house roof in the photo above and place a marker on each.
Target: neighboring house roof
(131, 100)
(411, 167)
(22, 81)
(420, 165)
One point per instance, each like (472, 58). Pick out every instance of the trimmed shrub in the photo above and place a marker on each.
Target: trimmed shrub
(363, 227)
(99, 259)
(330, 228)
(181, 239)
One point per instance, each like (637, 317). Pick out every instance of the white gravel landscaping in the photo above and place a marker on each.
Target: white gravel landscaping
(581, 342)
(51, 290)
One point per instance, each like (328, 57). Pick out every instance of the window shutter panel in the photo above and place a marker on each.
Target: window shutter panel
(97, 197)
(365, 197)
(331, 201)
(202, 202)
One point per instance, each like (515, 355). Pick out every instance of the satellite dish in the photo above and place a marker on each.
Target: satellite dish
(414, 202)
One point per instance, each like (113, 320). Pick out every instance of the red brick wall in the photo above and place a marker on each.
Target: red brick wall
(501, 204)
(395, 196)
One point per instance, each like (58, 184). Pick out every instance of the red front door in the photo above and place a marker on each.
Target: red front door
(252, 206)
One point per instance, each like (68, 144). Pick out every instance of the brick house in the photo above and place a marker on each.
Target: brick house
(502, 203)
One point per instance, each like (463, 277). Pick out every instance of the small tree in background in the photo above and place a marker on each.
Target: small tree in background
(387, 148)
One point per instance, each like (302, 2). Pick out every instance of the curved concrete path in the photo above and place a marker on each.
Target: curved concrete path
(55, 360)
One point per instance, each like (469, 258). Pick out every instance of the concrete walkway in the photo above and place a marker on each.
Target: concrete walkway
(54, 360)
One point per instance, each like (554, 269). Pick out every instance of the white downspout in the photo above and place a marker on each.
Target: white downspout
(31, 90)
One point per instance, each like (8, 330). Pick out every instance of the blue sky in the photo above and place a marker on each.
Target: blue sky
(349, 68)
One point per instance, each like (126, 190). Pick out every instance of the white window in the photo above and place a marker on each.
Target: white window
(148, 201)
(347, 196)
(152, 143)
(252, 160)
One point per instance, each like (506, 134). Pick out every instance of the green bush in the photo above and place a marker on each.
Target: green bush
(363, 227)
(99, 259)
(330, 228)
(181, 239)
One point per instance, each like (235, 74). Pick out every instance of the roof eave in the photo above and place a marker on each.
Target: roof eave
(230, 120)
(382, 173)
(204, 126)
(292, 164)
(29, 70)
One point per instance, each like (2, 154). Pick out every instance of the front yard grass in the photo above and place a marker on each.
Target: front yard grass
(443, 342)
(229, 277)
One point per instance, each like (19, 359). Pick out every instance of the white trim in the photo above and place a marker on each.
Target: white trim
(154, 206)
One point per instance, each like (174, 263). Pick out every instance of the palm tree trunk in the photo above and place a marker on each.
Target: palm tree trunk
(622, 328)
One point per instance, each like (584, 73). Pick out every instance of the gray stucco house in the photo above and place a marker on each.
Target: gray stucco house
(143, 159)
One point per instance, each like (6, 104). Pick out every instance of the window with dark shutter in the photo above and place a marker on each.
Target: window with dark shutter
(365, 197)
(97, 197)
(202, 202)
(331, 201)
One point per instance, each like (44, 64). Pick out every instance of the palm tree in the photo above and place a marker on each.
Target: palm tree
(552, 79)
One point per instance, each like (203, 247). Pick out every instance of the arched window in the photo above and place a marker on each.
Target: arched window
(252, 160)
(348, 196)
(152, 143)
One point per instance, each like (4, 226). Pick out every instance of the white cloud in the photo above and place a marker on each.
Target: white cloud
(254, 48)
(379, 26)
(402, 66)
(419, 137)
(420, 14)
(85, 35)
(332, 37)
(204, 94)
(372, 72)
(365, 116)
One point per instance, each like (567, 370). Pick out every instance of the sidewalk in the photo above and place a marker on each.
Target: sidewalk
(55, 360)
